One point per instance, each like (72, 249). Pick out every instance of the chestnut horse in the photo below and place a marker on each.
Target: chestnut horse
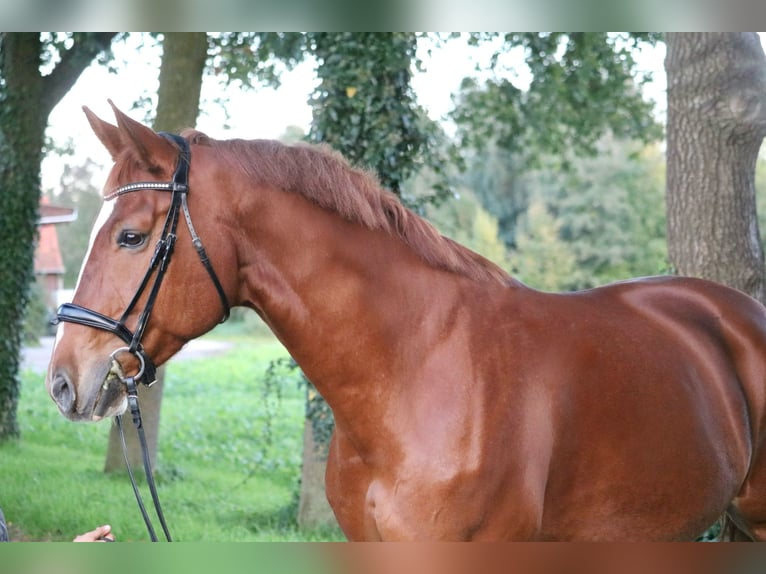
(468, 406)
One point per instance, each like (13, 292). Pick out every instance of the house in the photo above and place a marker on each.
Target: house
(49, 265)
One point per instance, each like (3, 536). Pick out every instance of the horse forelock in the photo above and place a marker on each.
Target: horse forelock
(125, 170)
(327, 179)
(128, 169)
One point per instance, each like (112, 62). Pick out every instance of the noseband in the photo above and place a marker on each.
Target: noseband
(71, 313)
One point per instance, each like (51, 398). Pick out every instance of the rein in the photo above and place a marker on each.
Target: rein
(72, 313)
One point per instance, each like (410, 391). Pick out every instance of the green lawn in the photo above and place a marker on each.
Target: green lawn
(228, 464)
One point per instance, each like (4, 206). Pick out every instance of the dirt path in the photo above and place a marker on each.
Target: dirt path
(37, 358)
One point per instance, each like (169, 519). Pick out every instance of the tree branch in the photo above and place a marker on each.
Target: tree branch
(73, 62)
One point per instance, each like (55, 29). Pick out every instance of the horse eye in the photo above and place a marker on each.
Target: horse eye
(131, 239)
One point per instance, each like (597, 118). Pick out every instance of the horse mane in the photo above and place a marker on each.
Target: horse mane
(326, 178)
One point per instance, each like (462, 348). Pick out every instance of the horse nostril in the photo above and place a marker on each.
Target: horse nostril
(62, 392)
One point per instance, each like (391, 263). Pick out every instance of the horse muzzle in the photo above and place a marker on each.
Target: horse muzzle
(92, 404)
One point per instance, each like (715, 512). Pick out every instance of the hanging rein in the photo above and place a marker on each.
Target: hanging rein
(71, 313)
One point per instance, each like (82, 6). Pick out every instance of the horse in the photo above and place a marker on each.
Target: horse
(468, 406)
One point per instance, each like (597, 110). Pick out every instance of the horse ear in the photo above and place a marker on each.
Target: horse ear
(106, 132)
(151, 149)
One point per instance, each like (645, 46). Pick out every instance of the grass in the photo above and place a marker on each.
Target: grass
(228, 462)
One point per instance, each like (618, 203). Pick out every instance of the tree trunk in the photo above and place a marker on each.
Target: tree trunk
(26, 100)
(716, 121)
(21, 142)
(313, 508)
(183, 62)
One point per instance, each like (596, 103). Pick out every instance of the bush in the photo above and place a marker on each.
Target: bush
(37, 316)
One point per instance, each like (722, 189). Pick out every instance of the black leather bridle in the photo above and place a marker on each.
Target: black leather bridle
(179, 187)
(71, 313)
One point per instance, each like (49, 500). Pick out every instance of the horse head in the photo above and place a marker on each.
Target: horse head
(143, 308)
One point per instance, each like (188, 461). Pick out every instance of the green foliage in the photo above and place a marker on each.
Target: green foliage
(496, 178)
(542, 259)
(610, 211)
(467, 222)
(321, 417)
(249, 58)
(583, 86)
(36, 316)
(760, 196)
(364, 105)
(60, 46)
(285, 372)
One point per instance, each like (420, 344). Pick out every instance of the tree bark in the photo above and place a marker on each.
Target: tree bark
(183, 62)
(26, 99)
(313, 508)
(716, 121)
(21, 142)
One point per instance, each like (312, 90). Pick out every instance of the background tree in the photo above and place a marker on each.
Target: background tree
(465, 220)
(716, 121)
(365, 106)
(541, 258)
(27, 96)
(609, 211)
(496, 177)
(583, 87)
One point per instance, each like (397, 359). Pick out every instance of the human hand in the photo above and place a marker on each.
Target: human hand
(100, 534)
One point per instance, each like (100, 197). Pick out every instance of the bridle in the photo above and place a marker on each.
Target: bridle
(71, 313)
(179, 187)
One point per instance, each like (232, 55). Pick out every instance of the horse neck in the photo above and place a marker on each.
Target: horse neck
(347, 302)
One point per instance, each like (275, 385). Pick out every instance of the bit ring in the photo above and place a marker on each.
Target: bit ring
(140, 358)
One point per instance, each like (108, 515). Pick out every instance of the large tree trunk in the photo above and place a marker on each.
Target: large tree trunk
(26, 100)
(183, 63)
(716, 120)
(21, 142)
